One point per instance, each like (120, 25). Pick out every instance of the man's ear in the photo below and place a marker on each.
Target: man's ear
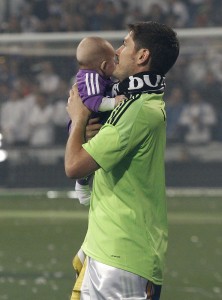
(143, 56)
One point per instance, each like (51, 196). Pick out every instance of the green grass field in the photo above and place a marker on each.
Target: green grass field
(39, 237)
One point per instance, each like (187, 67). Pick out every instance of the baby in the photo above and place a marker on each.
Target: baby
(96, 59)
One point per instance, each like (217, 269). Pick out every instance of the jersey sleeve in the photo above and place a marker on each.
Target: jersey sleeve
(92, 88)
(105, 148)
(107, 104)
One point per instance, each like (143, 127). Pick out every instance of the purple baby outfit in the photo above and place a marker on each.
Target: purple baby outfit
(92, 88)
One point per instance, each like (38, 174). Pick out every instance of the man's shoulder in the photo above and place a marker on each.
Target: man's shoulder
(126, 111)
(131, 108)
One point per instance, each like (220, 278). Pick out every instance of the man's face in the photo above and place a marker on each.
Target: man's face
(126, 63)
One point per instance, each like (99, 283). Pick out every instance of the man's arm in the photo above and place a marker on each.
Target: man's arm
(78, 163)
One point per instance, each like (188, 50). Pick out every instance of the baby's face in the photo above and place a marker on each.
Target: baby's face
(110, 65)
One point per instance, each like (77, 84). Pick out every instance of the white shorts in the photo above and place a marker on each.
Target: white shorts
(102, 282)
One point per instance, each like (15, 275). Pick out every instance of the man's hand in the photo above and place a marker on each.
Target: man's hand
(119, 99)
(76, 109)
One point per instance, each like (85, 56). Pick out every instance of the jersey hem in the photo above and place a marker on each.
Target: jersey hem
(123, 267)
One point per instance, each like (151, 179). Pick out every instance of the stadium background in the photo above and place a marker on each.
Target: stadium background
(41, 225)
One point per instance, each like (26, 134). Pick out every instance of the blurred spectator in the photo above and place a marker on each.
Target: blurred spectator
(74, 22)
(211, 90)
(134, 15)
(198, 118)
(177, 75)
(41, 127)
(55, 23)
(218, 13)
(28, 88)
(196, 69)
(40, 9)
(97, 18)
(14, 122)
(12, 25)
(145, 5)
(60, 122)
(16, 6)
(4, 92)
(174, 107)
(215, 64)
(4, 95)
(55, 6)
(179, 11)
(9, 72)
(28, 21)
(204, 16)
(2, 11)
(25, 85)
(55, 15)
(47, 78)
(60, 115)
(156, 13)
(113, 17)
(5, 73)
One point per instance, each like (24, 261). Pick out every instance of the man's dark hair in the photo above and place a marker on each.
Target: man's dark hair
(160, 40)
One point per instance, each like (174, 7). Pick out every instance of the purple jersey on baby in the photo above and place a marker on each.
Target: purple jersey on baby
(92, 88)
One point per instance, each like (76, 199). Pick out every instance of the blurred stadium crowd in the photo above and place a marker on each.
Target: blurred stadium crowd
(34, 91)
(77, 15)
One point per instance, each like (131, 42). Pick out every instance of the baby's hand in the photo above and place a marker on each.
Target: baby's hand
(119, 99)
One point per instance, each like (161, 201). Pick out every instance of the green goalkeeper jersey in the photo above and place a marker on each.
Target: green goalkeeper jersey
(128, 217)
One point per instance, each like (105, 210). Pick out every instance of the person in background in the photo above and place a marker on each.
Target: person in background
(48, 79)
(14, 119)
(41, 125)
(198, 119)
(174, 107)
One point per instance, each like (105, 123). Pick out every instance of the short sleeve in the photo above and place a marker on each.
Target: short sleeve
(106, 147)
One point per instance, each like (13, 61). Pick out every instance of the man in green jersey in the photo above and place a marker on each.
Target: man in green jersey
(126, 240)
